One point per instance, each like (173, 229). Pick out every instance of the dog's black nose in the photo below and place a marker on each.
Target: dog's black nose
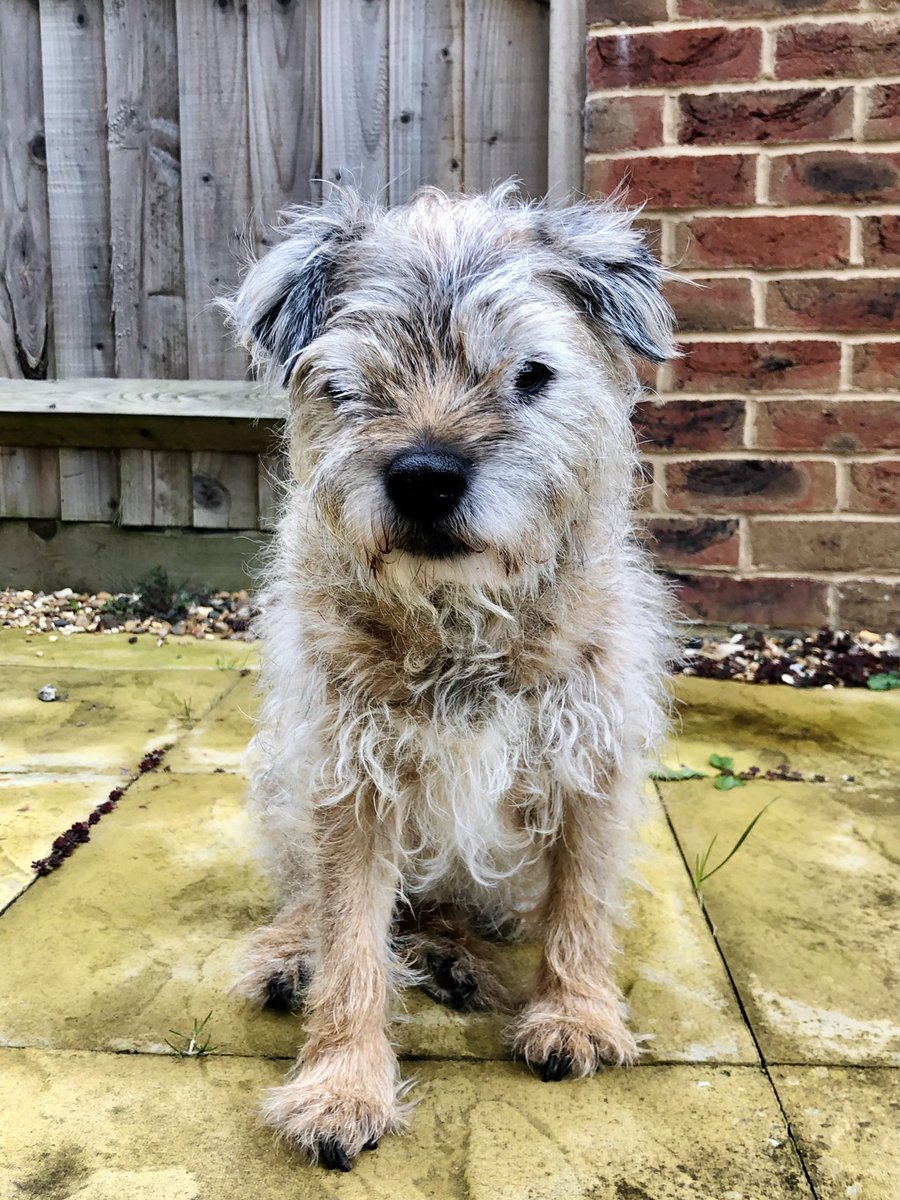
(426, 485)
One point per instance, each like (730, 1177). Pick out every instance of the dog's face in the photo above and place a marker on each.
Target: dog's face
(458, 373)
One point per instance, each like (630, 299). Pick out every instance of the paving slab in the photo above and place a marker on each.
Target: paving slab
(145, 924)
(105, 1127)
(108, 720)
(807, 913)
(219, 741)
(34, 809)
(846, 1123)
(140, 651)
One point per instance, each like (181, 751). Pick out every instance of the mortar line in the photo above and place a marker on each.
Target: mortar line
(764, 1065)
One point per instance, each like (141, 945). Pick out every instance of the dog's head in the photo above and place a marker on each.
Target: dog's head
(459, 370)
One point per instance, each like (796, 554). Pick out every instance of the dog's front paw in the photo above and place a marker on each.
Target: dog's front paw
(333, 1111)
(274, 970)
(574, 1037)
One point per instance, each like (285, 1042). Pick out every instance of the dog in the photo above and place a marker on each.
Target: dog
(464, 644)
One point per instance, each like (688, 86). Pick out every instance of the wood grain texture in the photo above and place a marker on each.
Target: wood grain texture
(355, 93)
(426, 95)
(506, 73)
(29, 482)
(285, 107)
(215, 157)
(145, 188)
(566, 93)
(78, 185)
(177, 397)
(225, 490)
(24, 220)
(155, 488)
(88, 484)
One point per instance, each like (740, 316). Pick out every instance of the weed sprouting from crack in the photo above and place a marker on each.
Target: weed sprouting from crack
(192, 1046)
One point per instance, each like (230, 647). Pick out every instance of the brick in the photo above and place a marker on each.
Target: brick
(881, 241)
(835, 544)
(694, 542)
(833, 304)
(867, 604)
(626, 12)
(875, 488)
(876, 366)
(679, 181)
(623, 123)
(763, 242)
(689, 424)
(882, 123)
(714, 305)
(722, 9)
(842, 49)
(792, 115)
(778, 603)
(834, 177)
(749, 485)
(711, 54)
(835, 426)
(757, 367)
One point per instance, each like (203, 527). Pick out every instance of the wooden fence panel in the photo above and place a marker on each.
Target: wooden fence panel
(285, 108)
(506, 66)
(215, 162)
(78, 185)
(155, 488)
(355, 93)
(225, 490)
(29, 482)
(426, 95)
(24, 221)
(88, 484)
(145, 189)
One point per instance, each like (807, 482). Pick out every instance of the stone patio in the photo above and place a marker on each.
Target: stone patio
(772, 1064)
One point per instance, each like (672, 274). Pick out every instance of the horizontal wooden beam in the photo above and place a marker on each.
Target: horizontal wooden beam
(150, 414)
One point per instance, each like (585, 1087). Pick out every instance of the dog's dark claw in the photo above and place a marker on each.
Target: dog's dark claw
(371, 1144)
(556, 1068)
(280, 996)
(459, 991)
(334, 1156)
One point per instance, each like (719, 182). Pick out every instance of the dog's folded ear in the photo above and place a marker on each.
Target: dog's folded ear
(282, 303)
(603, 266)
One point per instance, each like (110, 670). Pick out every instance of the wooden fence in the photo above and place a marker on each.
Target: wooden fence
(145, 141)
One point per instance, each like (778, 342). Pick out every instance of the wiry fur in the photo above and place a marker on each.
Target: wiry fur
(462, 733)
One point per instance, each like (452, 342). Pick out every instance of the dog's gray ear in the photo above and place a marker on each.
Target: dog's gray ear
(282, 303)
(607, 272)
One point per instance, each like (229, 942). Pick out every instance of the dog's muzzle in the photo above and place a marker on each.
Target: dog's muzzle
(426, 488)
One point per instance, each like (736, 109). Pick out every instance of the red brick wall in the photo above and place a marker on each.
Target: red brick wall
(764, 139)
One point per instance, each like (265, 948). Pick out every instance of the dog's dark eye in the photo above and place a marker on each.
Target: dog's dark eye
(532, 379)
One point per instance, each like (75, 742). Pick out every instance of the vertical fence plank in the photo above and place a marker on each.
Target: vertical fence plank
(145, 189)
(78, 185)
(285, 106)
(224, 490)
(136, 492)
(24, 224)
(212, 68)
(155, 487)
(29, 481)
(565, 114)
(354, 93)
(88, 484)
(426, 95)
(506, 71)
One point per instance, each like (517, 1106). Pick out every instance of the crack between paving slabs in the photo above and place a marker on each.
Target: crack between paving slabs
(128, 784)
(764, 1065)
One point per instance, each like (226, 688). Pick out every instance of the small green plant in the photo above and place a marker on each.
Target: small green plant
(700, 873)
(726, 779)
(192, 1046)
(156, 595)
(884, 681)
(186, 716)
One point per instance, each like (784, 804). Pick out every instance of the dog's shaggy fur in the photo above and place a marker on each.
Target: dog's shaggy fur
(457, 711)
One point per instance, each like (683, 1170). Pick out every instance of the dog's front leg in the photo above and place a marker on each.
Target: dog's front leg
(576, 1018)
(344, 1094)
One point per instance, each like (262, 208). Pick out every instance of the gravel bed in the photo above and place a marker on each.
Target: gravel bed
(829, 658)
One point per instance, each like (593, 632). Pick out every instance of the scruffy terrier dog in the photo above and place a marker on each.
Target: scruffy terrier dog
(464, 646)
